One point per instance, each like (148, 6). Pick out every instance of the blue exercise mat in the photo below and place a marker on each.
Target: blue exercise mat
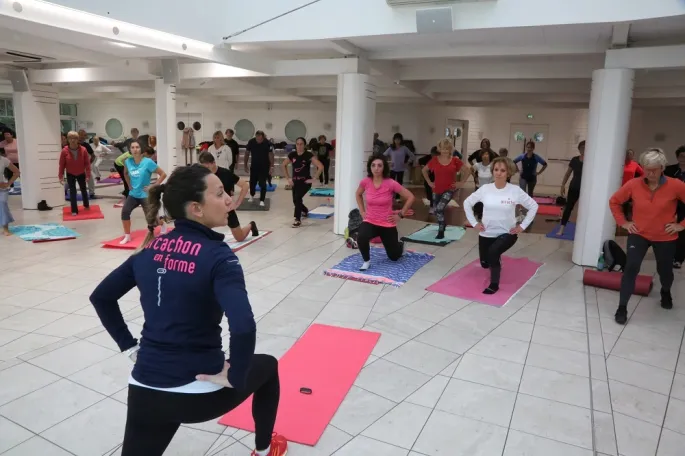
(322, 212)
(15, 191)
(569, 232)
(269, 188)
(43, 232)
(382, 270)
(322, 191)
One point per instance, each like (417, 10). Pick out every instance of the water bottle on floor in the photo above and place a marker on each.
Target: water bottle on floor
(600, 262)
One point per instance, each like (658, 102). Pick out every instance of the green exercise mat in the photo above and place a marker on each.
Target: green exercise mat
(322, 191)
(426, 235)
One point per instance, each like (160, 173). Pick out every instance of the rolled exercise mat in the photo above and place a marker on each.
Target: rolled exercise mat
(611, 280)
(316, 375)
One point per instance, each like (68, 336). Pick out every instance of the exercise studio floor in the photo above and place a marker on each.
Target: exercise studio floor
(550, 373)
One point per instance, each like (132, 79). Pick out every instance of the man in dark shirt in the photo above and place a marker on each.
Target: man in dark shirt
(677, 171)
(261, 166)
(323, 154)
(83, 140)
(229, 180)
(235, 148)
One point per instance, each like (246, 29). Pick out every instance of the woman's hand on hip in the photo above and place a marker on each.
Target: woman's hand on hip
(218, 379)
(516, 230)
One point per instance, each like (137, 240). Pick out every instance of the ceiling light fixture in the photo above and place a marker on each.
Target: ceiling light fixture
(123, 45)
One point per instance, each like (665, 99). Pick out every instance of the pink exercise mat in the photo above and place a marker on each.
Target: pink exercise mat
(547, 200)
(470, 281)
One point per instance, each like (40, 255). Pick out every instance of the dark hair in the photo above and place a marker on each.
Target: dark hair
(206, 158)
(530, 143)
(394, 137)
(386, 166)
(259, 133)
(303, 140)
(149, 151)
(231, 130)
(486, 152)
(129, 144)
(322, 137)
(435, 151)
(485, 140)
(581, 144)
(680, 150)
(186, 184)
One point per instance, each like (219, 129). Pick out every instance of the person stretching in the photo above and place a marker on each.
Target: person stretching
(223, 155)
(379, 218)
(99, 150)
(484, 145)
(301, 180)
(631, 168)
(498, 229)
(655, 200)
(229, 180)
(422, 162)
(482, 175)
(677, 171)
(398, 155)
(5, 183)
(575, 167)
(445, 168)
(138, 170)
(76, 161)
(188, 279)
(323, 155)
(261, 165)
(529, 164)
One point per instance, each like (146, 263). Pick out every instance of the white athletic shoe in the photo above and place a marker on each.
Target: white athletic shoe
(453, 203)
(250, 200)
(125, 240)
(261, 204)
(426, 202)
(365, 266)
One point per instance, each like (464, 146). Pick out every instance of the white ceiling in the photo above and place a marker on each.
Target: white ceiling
(544, 66)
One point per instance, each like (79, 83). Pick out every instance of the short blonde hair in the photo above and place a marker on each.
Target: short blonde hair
(72, 134)
(445, 142)
(653, 157)
(508, 164)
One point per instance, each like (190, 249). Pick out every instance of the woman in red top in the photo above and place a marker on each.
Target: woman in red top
(445, 168)
(631, 168)
(655, 199)
(75, 160)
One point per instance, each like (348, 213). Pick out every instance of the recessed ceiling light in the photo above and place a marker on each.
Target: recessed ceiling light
(123, 45)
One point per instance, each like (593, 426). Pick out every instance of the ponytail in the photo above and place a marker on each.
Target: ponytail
(154, 200)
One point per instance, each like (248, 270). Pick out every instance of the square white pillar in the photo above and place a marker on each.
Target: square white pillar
(39, 145)
(608, 122)
(165, 119)
(356, 115)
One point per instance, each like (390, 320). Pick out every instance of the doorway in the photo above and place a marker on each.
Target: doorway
(520, 134)
(187, 120)
(457, 131)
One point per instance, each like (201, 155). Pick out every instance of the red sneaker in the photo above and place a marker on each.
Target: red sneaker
(279, 446)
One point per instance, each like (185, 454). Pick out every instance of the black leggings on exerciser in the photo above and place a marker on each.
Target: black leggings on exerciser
(154, 416)
(571, 200)
(300, 188)
(259, 175)
(389, 237)
(636, 249)
(491, 250)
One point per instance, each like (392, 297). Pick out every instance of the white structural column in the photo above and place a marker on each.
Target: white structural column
(355, 122)
(608, 122)
(165, 119)
(38, 131)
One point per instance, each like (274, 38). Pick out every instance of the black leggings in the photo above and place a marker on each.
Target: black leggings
(130, 204)
(636, 249)
(258, 175)
(571, 200)
(323, 177)
(680, 248)
(71, 182)
(491, 250)
(300, 188)
(120, 170)
(154, 416)
(389, 237)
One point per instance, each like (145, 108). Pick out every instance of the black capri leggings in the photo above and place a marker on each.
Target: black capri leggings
(491, 249)
(389, 237)
(154, 416)
(571, 200)
(132, 203)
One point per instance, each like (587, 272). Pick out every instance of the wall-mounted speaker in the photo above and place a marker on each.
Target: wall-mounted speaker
(395, 128)
(269, 125)
(19, 79)
(146, 124)
(170, 71)
(434, 20)
(327, 126)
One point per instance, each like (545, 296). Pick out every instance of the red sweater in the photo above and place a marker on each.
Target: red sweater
(74, 166)
(652, 210)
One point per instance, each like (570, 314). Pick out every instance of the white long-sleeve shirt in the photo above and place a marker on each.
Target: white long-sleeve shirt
(222, 155)
(101, 150)
(499, 208)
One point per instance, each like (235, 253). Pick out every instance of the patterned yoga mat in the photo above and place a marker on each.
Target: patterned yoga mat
(43, 232)
(322, 191)
(382, 270)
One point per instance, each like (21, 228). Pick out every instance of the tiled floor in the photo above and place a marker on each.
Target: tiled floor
(548, 374)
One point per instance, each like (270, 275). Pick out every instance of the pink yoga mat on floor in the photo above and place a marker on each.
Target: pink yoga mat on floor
(137, 238)
(549, 210)
(545, 200)
(327, 360)
(470, 281)
(92, 213)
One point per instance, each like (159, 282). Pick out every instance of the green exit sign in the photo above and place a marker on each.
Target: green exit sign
(530, 116)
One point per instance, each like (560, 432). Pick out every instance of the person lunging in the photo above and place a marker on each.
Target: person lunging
(575, 167)
(374, 199)
(498, 229)
(529, 168)
(301, 180)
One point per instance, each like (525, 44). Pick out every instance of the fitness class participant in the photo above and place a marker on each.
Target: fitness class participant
(484, 145)
(631, 168)
(398, 155)
(100, 150)
(75, 160)
(655, 200)
(498, 229)
(301, 180)
(221, 152)
(323, 154)
(529, 164)
(229, 180)
(188, 279)
(379, 218)
(9, 144)
(575, 167)
(83, 138)
(422, 162)
(261, 166)
(233, 145)
(678, 172)
(138, 170)
(5, 183)
(445, 168)
(482, 175)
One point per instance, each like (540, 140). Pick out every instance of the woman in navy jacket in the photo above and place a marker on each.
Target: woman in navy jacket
(188, 279)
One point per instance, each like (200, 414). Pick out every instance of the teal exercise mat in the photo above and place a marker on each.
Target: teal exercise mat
(322, 191)
(426, 235)
(45, 232)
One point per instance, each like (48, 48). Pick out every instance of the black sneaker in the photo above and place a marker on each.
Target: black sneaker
(441, 235)
(621, 315)
(666, 299)
(255, 231)
(677, 265)
(43, 206)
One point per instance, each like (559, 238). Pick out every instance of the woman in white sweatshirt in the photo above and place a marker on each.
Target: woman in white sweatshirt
(99, 150)
(498, 228)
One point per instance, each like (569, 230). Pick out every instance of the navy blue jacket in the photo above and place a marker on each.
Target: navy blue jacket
(187, 279)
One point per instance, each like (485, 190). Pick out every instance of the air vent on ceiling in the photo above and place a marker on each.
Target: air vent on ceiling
(23, 57)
